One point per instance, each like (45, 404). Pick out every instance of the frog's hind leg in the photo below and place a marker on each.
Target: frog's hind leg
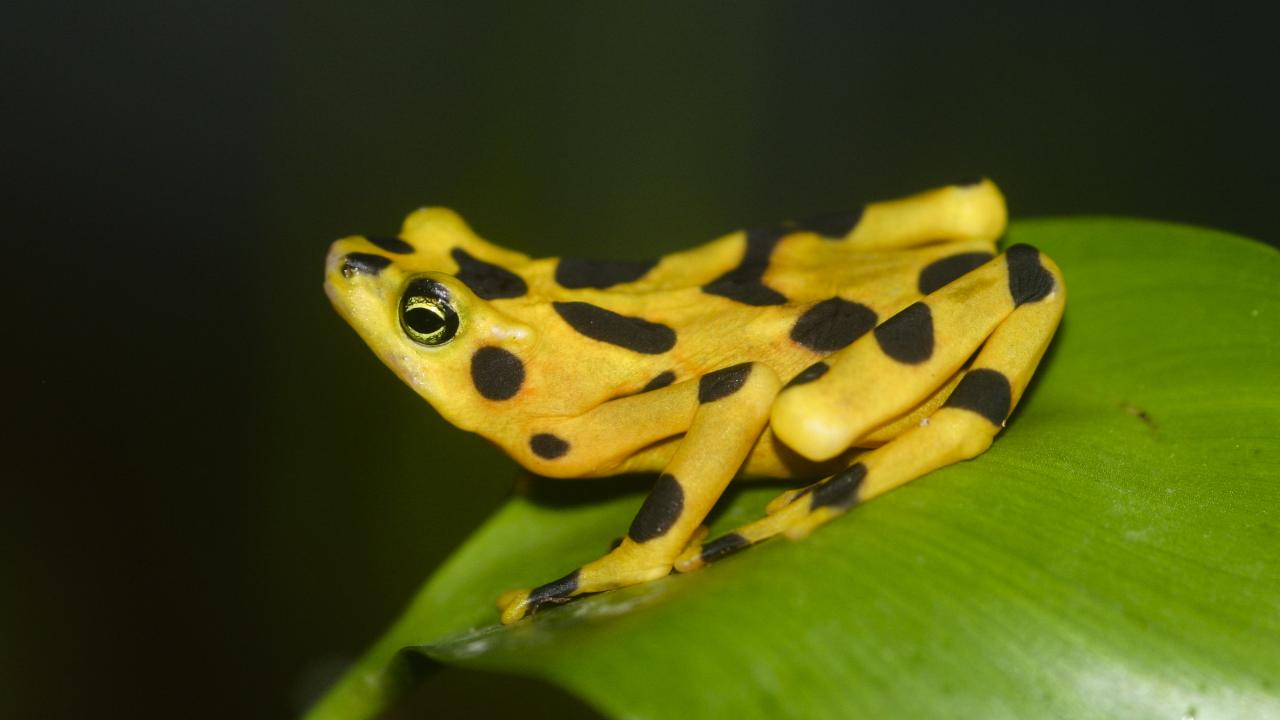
(886, 373)
(961, 428)
(970, 210)
(732, 409)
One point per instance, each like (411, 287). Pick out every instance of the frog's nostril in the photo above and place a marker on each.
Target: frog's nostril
(367, 263)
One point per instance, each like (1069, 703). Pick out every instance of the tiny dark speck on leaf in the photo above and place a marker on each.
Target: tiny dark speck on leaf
(1141, 414)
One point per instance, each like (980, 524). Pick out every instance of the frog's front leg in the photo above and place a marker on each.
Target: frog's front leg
(732, 408)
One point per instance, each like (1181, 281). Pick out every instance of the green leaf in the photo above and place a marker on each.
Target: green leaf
(1114, 555)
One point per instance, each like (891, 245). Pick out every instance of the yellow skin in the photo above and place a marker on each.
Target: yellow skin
(553, 360)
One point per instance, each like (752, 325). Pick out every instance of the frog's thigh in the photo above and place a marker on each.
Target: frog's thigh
(961, 429)
(889, 371)
(733, 408)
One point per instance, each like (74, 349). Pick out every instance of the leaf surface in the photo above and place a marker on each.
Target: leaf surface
(1113, 555)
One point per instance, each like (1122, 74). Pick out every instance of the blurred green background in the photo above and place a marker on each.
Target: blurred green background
(217, 496)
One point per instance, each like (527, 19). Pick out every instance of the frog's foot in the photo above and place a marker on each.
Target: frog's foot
(628, 564)
(515, 604)
(732, 406)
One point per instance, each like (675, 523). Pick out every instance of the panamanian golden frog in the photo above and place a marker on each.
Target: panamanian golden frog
(860, 350)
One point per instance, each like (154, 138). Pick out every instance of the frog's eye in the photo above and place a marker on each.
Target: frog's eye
(426, 315)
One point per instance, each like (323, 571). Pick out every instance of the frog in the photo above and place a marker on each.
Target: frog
(846, 354)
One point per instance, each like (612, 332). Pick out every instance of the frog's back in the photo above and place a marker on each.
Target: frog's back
(784, 295)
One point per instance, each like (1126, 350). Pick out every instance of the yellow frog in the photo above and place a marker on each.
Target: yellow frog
(867, 348)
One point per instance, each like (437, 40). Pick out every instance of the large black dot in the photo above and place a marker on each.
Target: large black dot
(832, 324)
(1029, 281)
(632, 333)
(723, 383)
(722, 547)
(659, 381)
(839, 491)
(809, 374)
(553, 593)
(833, 226)
(364, 263)
(747, 292)
(908, 336)
(744, 283)
(390, 244)
(486, 280)
(660, 510)
(578, 273)
(983, 391)
(939, 273)
(496, 373)
(548, 446)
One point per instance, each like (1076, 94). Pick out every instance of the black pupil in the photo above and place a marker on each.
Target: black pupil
(425, 315)
(423, 320)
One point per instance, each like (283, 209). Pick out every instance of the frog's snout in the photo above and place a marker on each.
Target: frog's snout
(354, 277)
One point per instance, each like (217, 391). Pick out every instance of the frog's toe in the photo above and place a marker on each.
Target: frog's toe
(513, 605)
(511, 597)
(692, 550)
(695, 542)
(517, 604)
(785, 499)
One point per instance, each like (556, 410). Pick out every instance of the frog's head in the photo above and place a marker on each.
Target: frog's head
(421, 302)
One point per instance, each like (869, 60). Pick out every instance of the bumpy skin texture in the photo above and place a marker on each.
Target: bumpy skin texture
(831, 348)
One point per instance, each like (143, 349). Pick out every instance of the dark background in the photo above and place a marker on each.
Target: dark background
(216, 495)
